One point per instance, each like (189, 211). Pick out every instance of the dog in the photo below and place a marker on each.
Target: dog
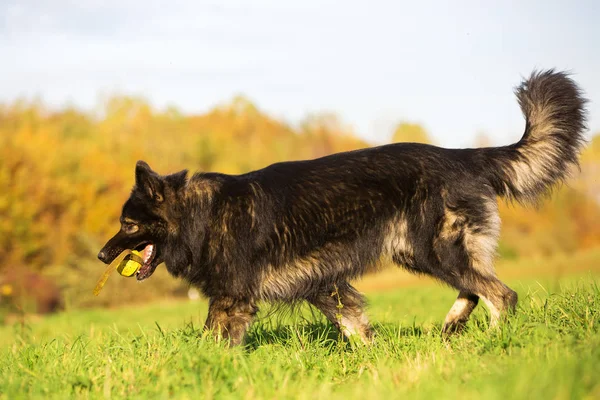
(303, 230)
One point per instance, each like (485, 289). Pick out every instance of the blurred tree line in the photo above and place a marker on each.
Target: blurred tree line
(65, 174)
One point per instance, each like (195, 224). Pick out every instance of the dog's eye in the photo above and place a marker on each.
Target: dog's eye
(130, 228)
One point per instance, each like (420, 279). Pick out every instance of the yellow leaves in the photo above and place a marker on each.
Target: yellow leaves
(407, 132)
(568, 221)
(6, 290)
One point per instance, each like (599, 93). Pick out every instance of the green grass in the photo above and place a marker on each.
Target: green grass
(549, 349)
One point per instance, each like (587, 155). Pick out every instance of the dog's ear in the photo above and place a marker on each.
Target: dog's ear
(177, 180)
(149, 182)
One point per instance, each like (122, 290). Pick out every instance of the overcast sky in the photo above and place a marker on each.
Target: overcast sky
(450, 65)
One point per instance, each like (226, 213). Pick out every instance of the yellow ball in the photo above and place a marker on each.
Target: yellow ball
(130, 264)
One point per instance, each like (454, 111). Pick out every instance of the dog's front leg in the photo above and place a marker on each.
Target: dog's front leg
(230, 318)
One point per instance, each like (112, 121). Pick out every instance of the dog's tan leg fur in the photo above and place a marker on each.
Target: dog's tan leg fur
(344, 307)
(499, 299)
(460, 312)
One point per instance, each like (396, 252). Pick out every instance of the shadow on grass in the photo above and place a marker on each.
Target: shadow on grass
(322, 334)
(298, 334)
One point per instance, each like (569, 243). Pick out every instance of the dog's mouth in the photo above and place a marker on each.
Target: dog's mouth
(150, 260)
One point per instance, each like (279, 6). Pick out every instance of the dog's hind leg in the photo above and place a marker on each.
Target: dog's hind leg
(468, 239)
(466, 247)
(344, 307)
(480, 278)
(230, 318)
(499, 298)
(460, 312)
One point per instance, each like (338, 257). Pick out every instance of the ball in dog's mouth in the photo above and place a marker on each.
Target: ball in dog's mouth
(148, 267)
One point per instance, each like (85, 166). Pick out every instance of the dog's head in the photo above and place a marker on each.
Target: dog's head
(146, 218)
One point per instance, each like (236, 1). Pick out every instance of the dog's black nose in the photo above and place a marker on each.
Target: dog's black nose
(102, 256)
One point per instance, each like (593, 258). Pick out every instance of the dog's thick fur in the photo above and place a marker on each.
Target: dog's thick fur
(302, 230)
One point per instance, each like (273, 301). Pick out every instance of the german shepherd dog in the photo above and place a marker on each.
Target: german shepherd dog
(303, 230)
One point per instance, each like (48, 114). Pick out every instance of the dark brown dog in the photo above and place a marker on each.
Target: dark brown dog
(302, 230)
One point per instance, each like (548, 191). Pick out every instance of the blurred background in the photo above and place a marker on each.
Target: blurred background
(89, 87)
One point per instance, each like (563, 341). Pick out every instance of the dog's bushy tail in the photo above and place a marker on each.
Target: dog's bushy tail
(548, 152)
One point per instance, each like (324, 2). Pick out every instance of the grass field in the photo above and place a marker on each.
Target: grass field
(550, 349)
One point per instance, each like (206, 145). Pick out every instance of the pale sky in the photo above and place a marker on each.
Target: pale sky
(449, 65)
